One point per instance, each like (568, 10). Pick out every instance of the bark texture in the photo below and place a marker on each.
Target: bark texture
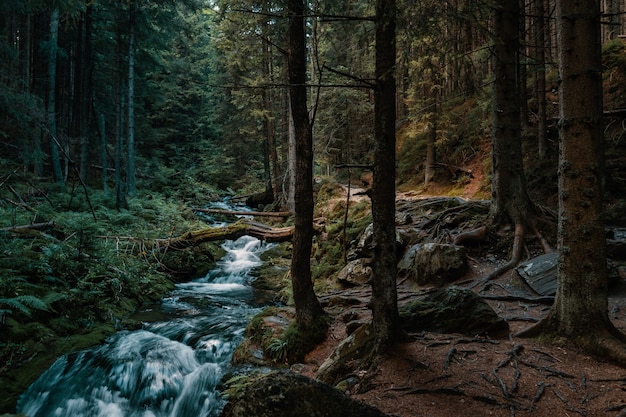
(384, 297)
(581, 299)
(308, 308)
(510, 201)
(580, 307)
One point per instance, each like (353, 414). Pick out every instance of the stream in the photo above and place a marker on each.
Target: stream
(169, 368)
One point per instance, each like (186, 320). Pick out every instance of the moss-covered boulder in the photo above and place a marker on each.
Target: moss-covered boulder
(356, 272)
(452, 310)
(347, 355)
(287, 394)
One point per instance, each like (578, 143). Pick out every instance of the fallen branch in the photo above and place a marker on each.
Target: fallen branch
(231, 231)
(211, 234)
(31, 226)
(244, 213)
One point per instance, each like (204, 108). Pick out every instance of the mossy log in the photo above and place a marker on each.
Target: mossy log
(232, 231)
(30, 226)
(244, 213)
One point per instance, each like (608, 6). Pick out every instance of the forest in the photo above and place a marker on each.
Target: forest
(130, 130)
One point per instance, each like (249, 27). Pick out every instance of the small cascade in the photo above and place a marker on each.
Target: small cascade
(168, 369)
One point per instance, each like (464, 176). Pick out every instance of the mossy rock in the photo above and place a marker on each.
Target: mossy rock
(453, 310)
(347, 355)
(287, 394)
(274, 338)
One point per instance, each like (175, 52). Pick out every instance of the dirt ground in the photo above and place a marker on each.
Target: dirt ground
(445, 375)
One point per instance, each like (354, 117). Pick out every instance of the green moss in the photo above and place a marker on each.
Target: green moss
(299, 339)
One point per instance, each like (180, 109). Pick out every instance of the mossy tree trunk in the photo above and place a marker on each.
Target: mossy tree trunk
(308, 308)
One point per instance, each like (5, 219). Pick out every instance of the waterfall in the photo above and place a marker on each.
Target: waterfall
(169, 368)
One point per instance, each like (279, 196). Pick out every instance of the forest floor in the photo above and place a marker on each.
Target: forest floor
(446, 375)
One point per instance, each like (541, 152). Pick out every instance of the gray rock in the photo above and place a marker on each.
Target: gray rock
(433, 263)
(356, 272)
(453, 310)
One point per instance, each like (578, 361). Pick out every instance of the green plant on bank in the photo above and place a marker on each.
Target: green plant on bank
(23, 304)
(330, 250)
(296, 341)
(278, 350)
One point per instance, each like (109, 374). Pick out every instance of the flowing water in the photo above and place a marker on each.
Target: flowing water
(169, 368)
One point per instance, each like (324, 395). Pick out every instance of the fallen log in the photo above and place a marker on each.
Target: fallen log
(30, 226)
(244, 213)
(232, 231)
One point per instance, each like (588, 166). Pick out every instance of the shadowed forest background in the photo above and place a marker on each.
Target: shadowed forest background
(121, 120)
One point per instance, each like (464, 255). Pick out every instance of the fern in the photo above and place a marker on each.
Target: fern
(23, 304)
(278, 349)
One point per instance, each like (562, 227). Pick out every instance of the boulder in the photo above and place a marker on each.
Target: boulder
(347, 354)
(356, 272)
(433, 263)
(453, 310)
(284, 393)
(364, 246)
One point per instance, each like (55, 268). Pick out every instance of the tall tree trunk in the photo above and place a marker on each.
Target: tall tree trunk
(510, 201)
(308, 308)
(431, 159)
(540, 76)
(271, 157)
(103, 154)
(120, 190)
(522, 69)
(580, 309)
(130, 170)
(291, 158)
(385, 320)
(82, 93)
(52, 123)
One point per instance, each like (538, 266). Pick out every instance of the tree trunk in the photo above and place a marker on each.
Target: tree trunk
(308, 308)
(270, 157)
(82, 93)
(580, 310)
(130, 170)
(52, 124)
(431, 96)
(291, 158)
(581, 299)
(103, 154)
(510, 201)
(540, 76)
(385, 319)
(120, 191)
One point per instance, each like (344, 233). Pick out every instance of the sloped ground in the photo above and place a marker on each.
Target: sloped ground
(444, 375)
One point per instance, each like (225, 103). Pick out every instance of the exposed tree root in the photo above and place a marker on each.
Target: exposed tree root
(607, 343)
(471, 236)
(516, 253)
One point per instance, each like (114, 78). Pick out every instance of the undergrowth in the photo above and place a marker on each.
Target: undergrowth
(85, 269)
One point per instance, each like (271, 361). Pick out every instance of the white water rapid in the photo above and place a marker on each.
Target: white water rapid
(168, 369)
